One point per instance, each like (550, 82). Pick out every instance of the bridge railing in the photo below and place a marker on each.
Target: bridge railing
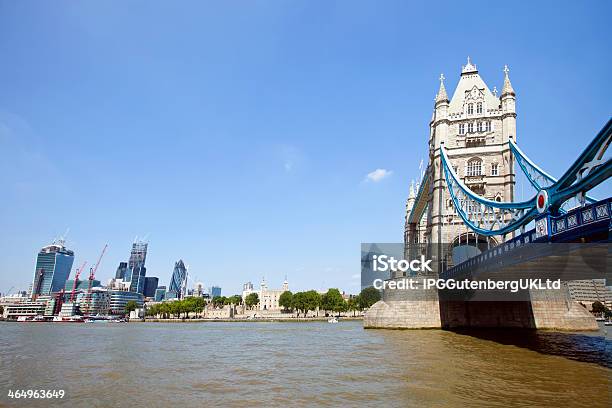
(548, 228)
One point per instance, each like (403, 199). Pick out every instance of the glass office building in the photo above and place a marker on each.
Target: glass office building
(215, 291)
(160, 293)
(136, 271)
(121, 269)
(53, 265)
(95, 303)
(178, 279)
(150, 286)
(120, 298)
(82, 284)
(136, 277)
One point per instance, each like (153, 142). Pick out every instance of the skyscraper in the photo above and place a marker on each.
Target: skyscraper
(178, 281)
(138, 254)
(121, 269)
(160, 293)
(53, 265)
(215, 291)
(136, 271)
(150, 286)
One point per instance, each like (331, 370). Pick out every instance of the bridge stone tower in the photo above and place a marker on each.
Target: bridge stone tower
(474, 126)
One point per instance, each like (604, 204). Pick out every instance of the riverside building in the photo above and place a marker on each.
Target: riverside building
(95, 303)
(589, 291)
(268, 298)
(28, 309)
(53, 265)
(118, 300)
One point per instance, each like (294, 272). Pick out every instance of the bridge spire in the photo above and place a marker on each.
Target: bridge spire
(442, 96)
(507, 89)
(469, 68)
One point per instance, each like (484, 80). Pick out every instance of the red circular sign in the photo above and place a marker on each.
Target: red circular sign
(542, 201)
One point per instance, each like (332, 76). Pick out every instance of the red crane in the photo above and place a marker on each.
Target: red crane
(59, 300)
(76, 278)
(92, 274)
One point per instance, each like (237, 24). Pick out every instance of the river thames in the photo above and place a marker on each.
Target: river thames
(300, 364)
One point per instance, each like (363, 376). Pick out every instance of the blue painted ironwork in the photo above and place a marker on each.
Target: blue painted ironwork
(484, 216)
(420, 202)
(540, 179)
(581, 220)
(487, 217)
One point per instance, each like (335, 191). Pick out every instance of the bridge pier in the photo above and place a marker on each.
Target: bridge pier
(547, 309)
(405, 309)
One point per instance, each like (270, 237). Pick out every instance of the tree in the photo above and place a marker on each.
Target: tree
(251, 300)
(368, 297)
(130, 306)
(234, 300)
(333, 301)
(353, 304)
(598, 307)
(298, 302)
(153, 310)
(219, 301)
(175, 308)
(306, 301)
(313, 300)
(286, 300)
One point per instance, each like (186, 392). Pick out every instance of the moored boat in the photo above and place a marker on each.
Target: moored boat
(70, 319)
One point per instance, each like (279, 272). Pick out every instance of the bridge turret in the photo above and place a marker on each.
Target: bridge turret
(508, 104)
(440, 119)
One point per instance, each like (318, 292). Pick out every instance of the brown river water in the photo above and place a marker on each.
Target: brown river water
(301, 364)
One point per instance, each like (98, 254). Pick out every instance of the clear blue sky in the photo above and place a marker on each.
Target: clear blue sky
(238, 135)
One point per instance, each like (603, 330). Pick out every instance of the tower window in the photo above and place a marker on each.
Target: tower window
(479, 107)
(470, 128)
(470, 108)
(488, 126)
(479, 126)
(474, 167)
(462, 129)
(494, 169)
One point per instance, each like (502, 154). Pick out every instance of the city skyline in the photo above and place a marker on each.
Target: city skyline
(242, 135)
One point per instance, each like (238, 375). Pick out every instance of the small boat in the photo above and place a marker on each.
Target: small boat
(332, 320)
(70, 319)
(35, 319)
(608, 323)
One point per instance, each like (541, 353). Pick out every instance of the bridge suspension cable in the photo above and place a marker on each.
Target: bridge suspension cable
(489, 218)
(540, 179)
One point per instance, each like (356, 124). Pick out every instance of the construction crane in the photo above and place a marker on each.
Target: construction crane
(76, 278)
(92, 275)
(59, 300)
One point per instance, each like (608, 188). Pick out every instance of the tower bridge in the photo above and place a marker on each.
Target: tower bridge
(463, 215)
